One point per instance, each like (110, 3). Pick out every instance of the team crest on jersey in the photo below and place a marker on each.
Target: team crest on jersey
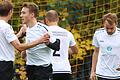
(109, 48)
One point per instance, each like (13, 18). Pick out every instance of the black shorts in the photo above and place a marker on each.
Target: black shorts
(100, 78)
(6, 70)
(62, 76)
(39, 72)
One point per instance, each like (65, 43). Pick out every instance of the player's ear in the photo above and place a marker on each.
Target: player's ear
(46, 21)
(32, 14)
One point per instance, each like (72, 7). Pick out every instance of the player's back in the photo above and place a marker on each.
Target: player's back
(63, 35)
(60, 58)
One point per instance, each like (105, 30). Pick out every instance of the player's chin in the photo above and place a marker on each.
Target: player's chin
(23, 22)
(110, 33)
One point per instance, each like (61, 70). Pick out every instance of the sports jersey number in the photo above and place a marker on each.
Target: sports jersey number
(54, 53)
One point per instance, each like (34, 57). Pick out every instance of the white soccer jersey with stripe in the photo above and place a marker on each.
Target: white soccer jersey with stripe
(40, 54)
(6, 36)
(109, 53)
(60, 58)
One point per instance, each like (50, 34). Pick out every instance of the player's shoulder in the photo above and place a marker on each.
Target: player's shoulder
(100, 29)
(63, 29)
(118, 29)
(6, 25)
(41, 25)
(67, 32)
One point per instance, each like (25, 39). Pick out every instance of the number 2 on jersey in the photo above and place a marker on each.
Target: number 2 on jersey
(54, 53)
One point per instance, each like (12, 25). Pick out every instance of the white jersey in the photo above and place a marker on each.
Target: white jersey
(109, 53)
(40, 54)
(6, 36)
(60, 58)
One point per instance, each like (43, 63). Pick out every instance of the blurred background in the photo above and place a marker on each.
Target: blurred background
(81, 17)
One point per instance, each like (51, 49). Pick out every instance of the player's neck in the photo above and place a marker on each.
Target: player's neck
(4, 18)
(53, 24)
(32, 22)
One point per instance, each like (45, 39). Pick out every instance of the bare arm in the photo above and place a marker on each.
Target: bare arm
(74, 49)
(22, 31)
(94, 62)
(20, 34)
(21, 47)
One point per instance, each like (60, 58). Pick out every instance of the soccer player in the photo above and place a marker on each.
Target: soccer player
(106, 56)
(8, 40)
(39, 65)
(61, 65)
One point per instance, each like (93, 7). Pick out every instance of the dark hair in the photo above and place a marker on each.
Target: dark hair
(52, 16)
(33, 8)
(5, 7)
(111, 18)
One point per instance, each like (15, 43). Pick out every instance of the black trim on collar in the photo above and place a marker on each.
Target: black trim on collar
(43, 26)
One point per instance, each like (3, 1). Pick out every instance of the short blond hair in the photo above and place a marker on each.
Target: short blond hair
(32, 7)
(52, 16)
(111, 18)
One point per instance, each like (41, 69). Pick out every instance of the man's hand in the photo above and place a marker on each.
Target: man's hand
(22, 31)
(23, 28)
(45, 38)
(92, 76)
(118, 69)
(23, 54)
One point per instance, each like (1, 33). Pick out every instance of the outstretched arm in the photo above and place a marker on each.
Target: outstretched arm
(21, 47)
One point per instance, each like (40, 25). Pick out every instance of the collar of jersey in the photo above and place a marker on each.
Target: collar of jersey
(3, 21)
(33, 26)
(116, 31)
(54, 26)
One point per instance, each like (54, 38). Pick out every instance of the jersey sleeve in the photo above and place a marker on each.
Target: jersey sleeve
(72, 40)
(95, 41)
(9, 34)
